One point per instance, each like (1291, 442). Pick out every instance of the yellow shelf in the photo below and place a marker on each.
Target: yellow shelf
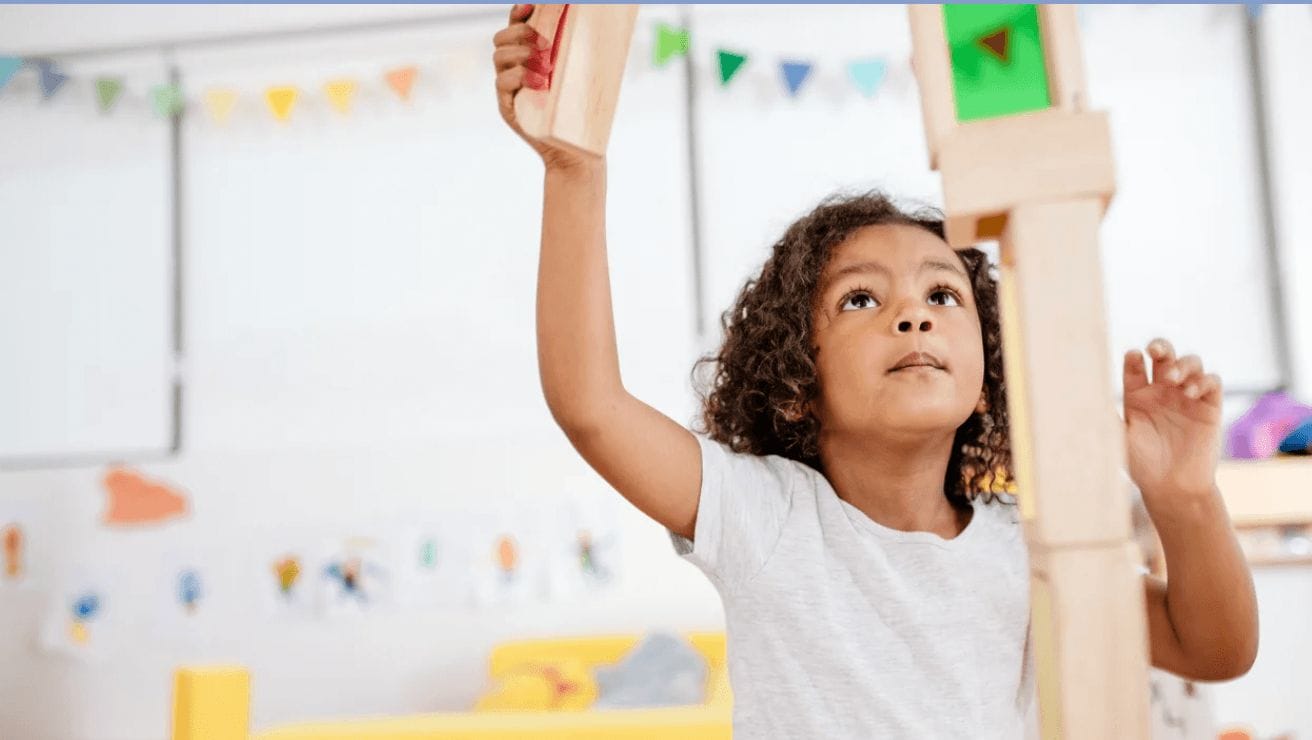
(1262, 493)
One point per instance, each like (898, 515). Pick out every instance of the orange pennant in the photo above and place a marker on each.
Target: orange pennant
(401, 80)
(134, 499)
(339, 93)
(281, 100)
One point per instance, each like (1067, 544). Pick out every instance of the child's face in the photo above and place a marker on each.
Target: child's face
(888, 292)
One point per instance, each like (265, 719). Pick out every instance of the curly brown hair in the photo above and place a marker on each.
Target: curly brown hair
(764, 374)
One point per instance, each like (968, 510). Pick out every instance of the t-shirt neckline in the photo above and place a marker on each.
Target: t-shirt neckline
(859, 519)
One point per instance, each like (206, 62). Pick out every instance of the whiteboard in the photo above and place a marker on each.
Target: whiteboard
(86, 272)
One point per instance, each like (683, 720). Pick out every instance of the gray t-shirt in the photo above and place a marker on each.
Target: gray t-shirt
(839, 627)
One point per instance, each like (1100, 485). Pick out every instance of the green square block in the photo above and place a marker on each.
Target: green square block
(983, 85)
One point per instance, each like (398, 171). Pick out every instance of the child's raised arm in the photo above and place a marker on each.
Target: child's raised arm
(648, 457)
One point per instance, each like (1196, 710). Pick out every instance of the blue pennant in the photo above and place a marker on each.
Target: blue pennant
(9, 67)
(867, 74)
(795, 74)
(51, 78)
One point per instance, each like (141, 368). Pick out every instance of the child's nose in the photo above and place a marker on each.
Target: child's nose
(906, 325)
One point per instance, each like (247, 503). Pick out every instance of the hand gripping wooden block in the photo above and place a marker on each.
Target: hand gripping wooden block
(591, 45)
(1089, 635)
(1068, 446)
(990, 167)
(211, 703)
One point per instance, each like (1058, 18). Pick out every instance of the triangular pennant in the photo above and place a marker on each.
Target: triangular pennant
(868, 74)
(670, 42)
(107, 91)
(281, 100)
(339, 93)
(51, 79)
(401, 80)
(730, 63)
(219, 102)
(795, 74)
(998, 44)
(167, 100)
(9, 67)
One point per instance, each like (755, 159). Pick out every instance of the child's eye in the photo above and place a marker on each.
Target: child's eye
(942, 296)
(857, 299)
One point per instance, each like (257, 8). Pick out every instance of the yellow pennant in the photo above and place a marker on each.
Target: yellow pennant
(219, 102)
(339, 93)
(281, 100)
(401, 80)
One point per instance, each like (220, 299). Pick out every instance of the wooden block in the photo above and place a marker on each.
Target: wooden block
(931, 61)
(990, 167)
(933, 71)
(1065, 59)
(1067, 442)
(211, 703)
(1261, 493)
(1089, 635)
(590, 49)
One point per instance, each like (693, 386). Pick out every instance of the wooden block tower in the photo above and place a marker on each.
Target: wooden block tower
(1002, 92)
(590, 46)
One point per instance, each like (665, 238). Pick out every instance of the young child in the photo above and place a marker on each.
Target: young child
(842, 499)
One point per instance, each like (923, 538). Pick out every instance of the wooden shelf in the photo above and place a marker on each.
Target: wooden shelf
(1263, 493)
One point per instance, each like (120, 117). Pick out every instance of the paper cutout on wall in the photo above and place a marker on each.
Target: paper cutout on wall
(81, 620)
(340, 93)
(287, 572)
(432, 563)
(730, 63)
(108, 90)
(355, 577)
(9, 67)
(83, 611)
(401, 80)
(13, 552)
(219, 102)
(134, 499)
(795, 74)
(190, 589)
(50, 78)
(281, 100)
(670, 42)
(167, 99)
(867, 74)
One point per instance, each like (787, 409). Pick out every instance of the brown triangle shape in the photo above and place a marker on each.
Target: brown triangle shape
(998, 43)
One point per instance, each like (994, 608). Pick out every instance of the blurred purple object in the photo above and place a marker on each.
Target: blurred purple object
(1258, 433)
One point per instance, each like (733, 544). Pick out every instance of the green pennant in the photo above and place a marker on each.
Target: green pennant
(168, 100)
(730, 63)
(670, 42)
(107, 91)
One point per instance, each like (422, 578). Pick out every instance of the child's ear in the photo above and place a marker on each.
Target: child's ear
(983, 406)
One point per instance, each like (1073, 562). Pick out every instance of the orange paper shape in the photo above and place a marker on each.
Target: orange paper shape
(11, 539)
(134, 499)
(401, 80)
(281, 100)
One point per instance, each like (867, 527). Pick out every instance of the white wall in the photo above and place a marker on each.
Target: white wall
(359, 323)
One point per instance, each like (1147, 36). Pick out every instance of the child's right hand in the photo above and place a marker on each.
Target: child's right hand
(523, 59)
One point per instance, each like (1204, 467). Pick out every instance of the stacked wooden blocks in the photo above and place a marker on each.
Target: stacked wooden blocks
(1002, 92)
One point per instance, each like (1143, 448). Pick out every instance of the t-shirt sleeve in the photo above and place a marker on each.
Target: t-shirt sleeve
(744, 502)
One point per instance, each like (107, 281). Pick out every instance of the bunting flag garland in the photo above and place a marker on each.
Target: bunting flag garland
(167, 99)
(339, 94)
(795, 74)
(868, 74)
(670, 42)
(730, 63)
(9, 67)
(219, 101)
(401, 80)
(281, 100)
(107, 91)
(51, 79)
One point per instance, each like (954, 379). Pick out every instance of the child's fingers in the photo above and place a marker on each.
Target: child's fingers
(520, 33)
(1163, 355)
(1187, 369)
(506, 57)
(520, 12)
(1209, 389)
(513, 79)
(1135, 373)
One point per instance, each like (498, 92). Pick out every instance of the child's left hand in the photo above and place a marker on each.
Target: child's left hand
(1172, 423)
